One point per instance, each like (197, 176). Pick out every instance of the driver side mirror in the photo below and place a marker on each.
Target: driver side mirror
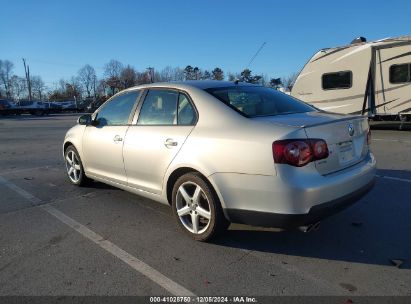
(85, 120)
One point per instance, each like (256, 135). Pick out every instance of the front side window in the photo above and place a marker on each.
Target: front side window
(400, 73)
(338, 80)
(255, 101)
(159, 108)
(117, 111)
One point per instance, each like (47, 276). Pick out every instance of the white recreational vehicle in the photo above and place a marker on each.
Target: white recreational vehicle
(368, 78)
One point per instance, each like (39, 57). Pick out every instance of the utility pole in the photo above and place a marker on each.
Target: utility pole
(27, 72)
(94, 87)
(151, 73)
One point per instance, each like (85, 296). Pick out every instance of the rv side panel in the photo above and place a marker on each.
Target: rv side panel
(323, 81)
(393, 83)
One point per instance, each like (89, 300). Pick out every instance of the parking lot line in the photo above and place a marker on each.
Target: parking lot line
(13, 171)
(34, 200)
(391, 140)
(395, 178)
(157, 277)
(138, 265)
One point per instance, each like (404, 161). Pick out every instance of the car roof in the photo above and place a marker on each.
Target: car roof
(198, 84)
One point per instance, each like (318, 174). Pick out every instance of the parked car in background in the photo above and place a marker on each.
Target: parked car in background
(68, 106)
(54, 107)
(221, 152)
(33, 107)
(7, 107)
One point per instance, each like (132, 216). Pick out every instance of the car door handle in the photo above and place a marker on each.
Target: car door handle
(170, 143)
(117, 138)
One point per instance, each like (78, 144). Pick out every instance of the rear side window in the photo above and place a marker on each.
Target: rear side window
(337, 80)
(186, 114)
(116, 112)
(400, 73)
(255, 101)
(159, 108)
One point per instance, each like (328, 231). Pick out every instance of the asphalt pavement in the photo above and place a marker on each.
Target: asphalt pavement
(58, 239)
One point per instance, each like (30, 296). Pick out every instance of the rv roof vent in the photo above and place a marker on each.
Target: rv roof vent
(359, 40)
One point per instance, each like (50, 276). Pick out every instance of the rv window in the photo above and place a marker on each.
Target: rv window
(400, 73)
(338, 80)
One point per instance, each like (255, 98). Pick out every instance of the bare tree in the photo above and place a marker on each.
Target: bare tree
(166, 74)
(67, 90)
(128, 77)
(6, 72)
(73, 88)
(113, 68)
(289, 81)
(62, 85)
(112, 72)
(87, 77)
(18, 87)
(38, 87)
(178, 74)
(101, 88)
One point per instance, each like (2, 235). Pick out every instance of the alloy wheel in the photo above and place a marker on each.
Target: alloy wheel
(73, 166)
(193, 207)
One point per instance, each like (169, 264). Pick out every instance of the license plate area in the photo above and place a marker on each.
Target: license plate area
(345, 152)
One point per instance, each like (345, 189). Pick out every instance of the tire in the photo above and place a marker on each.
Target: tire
(198, 203)
(75, 173)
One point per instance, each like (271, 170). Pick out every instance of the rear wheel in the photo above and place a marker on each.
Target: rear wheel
(196, 208)
(74, 167)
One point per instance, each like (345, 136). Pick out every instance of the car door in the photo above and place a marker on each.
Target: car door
(165, 120)
(103, 141)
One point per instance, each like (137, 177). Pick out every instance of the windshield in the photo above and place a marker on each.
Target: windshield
(255, 101)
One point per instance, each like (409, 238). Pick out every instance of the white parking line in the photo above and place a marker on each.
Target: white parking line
(138, 265)
(34, 200)
(395, 178)
(391, 140)
(12, 171)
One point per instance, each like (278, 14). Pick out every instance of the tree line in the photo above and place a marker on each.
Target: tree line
(116, 77)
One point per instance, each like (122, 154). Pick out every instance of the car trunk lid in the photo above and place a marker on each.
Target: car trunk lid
(346, 136)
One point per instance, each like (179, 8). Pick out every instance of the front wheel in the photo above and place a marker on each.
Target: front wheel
(197, 208)
(74, 167)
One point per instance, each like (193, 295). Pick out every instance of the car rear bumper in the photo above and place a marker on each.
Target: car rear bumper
(299, 198)
(316, 213)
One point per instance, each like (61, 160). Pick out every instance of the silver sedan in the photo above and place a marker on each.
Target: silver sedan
(221, 152)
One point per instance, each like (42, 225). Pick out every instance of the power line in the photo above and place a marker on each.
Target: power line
(62, 64)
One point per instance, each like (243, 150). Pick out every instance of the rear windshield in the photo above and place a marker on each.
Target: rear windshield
(254, 101)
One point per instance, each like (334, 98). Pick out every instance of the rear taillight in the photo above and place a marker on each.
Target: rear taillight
(369, 137)
(299, 152)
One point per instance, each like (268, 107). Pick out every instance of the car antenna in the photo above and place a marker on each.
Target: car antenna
(256, 54)
(252, 59)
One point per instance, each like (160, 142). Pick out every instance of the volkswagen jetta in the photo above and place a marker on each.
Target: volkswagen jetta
(221, 152)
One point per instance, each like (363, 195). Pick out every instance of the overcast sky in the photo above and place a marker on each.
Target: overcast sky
(58, 37)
